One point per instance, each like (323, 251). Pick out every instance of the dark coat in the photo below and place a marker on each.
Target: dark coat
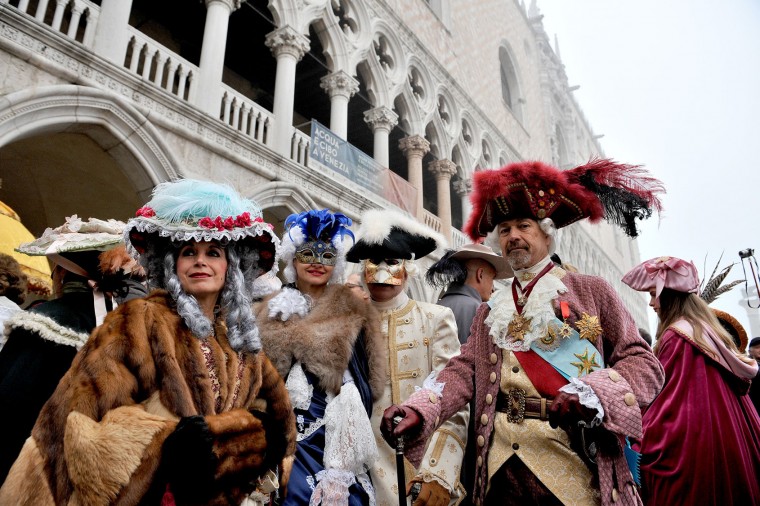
(463, 300)
(41, 344)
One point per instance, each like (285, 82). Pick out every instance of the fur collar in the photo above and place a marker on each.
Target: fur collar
(323, 340)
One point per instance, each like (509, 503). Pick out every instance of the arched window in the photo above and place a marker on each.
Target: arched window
(510, 87)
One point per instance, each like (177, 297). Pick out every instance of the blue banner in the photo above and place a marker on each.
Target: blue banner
(335, 153)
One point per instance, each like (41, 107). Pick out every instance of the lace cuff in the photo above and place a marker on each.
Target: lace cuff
(332, 487)
(431, 384)
(427, 477)
(587, 397)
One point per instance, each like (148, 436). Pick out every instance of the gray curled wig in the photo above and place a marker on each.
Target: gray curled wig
(160, 262)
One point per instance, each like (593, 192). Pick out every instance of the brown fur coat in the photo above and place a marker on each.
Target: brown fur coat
(324, 339)
(99, 438)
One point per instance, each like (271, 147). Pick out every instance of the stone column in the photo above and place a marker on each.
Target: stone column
(463, 187)
(444, 170)
(340, 87)
(415, 147)
(288, 47)
(382, 120)
(111, 35)
(207, 95)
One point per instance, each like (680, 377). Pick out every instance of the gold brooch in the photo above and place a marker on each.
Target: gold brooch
(586, 364)
(518, 327)
(589, 327)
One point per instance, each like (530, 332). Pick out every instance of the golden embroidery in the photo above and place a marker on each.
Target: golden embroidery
(586, 364)
(589, 327)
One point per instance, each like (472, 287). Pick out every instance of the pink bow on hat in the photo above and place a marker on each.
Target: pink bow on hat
(664, 272)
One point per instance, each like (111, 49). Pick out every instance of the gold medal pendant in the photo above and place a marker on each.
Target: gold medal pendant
(518, 327)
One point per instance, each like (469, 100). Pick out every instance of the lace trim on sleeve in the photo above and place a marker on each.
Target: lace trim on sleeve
(587, 397)
(431, 384)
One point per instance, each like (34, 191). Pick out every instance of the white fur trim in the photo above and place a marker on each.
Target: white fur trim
(47, 328)
(376, 224)
(287, 303)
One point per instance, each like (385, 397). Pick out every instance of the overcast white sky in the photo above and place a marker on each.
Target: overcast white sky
(675, 85)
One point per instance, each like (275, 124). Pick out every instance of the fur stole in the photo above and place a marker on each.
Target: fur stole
(323, 340)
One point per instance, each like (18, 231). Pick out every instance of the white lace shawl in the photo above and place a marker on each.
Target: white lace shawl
(538, 309)
(350, 448)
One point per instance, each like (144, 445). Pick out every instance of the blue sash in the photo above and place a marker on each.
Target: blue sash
(564, 349)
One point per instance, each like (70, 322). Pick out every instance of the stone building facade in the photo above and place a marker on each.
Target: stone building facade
(101, 100)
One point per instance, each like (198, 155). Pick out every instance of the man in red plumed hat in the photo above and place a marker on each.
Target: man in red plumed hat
(555, 364)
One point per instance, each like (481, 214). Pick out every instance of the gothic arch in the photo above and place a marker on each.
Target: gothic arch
(510, 80)
(448, 111)
(408, 112)
(111, 122)
(280, 194)
(421, 86)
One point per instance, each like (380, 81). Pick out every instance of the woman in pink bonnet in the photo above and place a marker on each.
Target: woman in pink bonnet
(701, 442)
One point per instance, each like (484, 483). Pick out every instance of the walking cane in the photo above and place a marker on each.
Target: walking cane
(401, 474)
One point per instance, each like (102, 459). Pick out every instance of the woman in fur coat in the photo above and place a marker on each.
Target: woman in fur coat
(326, 341)
(169, 401)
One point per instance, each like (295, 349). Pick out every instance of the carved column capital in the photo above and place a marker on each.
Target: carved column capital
(339, 83)
(232, 5)
(381, 118)
(414, 145)
(442, 169)
(463, 187)
(287, 40)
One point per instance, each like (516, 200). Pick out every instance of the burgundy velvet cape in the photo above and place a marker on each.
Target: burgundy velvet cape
(701, 442)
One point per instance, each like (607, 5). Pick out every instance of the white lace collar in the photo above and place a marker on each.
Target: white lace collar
(538, 309)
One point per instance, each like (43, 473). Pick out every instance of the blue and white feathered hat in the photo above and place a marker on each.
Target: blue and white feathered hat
(189, 209)
(315, 225)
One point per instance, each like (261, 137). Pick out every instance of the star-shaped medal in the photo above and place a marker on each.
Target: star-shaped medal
(518, 327)
(589, 327)
(586, 364)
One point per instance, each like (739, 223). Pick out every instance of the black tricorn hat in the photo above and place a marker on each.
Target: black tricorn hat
(388, 234)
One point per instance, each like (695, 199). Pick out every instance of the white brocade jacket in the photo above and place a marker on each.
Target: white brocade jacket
(422, 337)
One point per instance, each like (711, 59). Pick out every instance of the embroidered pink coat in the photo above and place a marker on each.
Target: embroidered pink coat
(633, 378)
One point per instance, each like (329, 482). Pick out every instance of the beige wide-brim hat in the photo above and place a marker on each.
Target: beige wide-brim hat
(468, 251)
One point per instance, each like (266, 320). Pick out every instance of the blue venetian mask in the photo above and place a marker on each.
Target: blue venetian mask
(317, 252)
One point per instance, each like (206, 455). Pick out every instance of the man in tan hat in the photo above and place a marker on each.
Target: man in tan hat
(469, 273)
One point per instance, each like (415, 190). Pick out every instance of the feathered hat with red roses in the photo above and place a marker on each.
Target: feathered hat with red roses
(600, 189)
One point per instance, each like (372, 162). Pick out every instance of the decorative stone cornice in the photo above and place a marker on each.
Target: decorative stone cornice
(442, 169)
(463, 187)
(414, 145)
(339, 84)
(287, 40)
(381, 118)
